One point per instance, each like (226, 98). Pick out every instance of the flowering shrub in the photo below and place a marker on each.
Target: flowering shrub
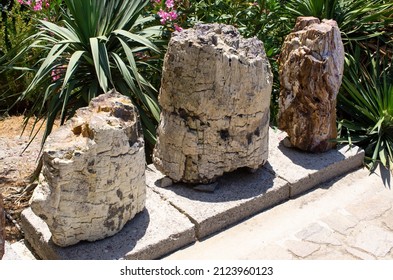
(167, 14)
(36, 5)
(45, 9)
(18, 20)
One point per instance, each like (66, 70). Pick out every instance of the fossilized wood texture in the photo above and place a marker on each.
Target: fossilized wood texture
(93, 176)
(2, 227)
(311, 65)
(215, 96)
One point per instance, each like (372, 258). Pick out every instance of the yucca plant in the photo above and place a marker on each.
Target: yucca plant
(98, 46)
(366, 105)
(357, 19)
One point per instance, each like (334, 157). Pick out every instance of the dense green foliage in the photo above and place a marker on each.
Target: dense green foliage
(97, 46)
(366, 106)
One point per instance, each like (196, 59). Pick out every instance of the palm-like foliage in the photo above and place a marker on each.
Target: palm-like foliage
(357, 19)
(367, 100)
(99, 45)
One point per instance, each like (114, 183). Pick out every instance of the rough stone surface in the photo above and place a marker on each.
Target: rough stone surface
(360, 254)
(2, 228)
(92, 181)
(318, 234)
(388, 219)
(376, 207)
(311, 65)
(215, 96)
(341, 223)
(158, 230)
(304, 171)
(237, 196)
(301, 249)
(374, 240)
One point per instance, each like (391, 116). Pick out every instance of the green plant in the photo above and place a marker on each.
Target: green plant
(357, 19)
(366, 106)
(15, 26)
(99, 45)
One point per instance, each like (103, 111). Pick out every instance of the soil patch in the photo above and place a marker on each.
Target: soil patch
(19, 156)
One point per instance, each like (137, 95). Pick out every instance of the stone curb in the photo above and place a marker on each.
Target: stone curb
(156, 231)
(237, 196)
(176, 215)
(305, 171)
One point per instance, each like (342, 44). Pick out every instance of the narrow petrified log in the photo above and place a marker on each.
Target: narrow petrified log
(215, 96)
(93, 176)
(311, 65)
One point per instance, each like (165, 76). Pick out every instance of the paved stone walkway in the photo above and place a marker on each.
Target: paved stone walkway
(348, 218)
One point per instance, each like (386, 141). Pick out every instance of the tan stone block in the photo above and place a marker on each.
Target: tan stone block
(93, 176)
(215, 97)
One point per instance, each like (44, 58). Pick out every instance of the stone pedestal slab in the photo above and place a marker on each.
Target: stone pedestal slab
(158, 230)
(178, 214)
(237, 196)
(304, 170)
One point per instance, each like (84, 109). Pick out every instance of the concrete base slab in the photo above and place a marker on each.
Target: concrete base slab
(154, 232)
(304, 170)
(237, 196)
(177, 214)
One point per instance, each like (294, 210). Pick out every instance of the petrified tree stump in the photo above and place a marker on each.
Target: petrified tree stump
(93, 176)
(2, 227)
(215, 96)
(311, 65)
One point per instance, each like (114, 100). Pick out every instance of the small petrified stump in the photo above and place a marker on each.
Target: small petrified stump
(2, 227)
(311, 66)
(93, 175)
(215, 96)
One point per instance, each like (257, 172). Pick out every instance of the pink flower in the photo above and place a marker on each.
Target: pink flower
(55, 75)
(169, 4)
(172, 15)
(37, 6)
(58, 72)
(164, 16)
(177, 27)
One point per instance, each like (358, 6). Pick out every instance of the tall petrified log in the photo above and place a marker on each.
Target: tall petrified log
(93, 175)
(215, 96)
(311, 65)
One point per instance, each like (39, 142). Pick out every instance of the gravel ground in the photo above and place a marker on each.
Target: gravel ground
(16, 166)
